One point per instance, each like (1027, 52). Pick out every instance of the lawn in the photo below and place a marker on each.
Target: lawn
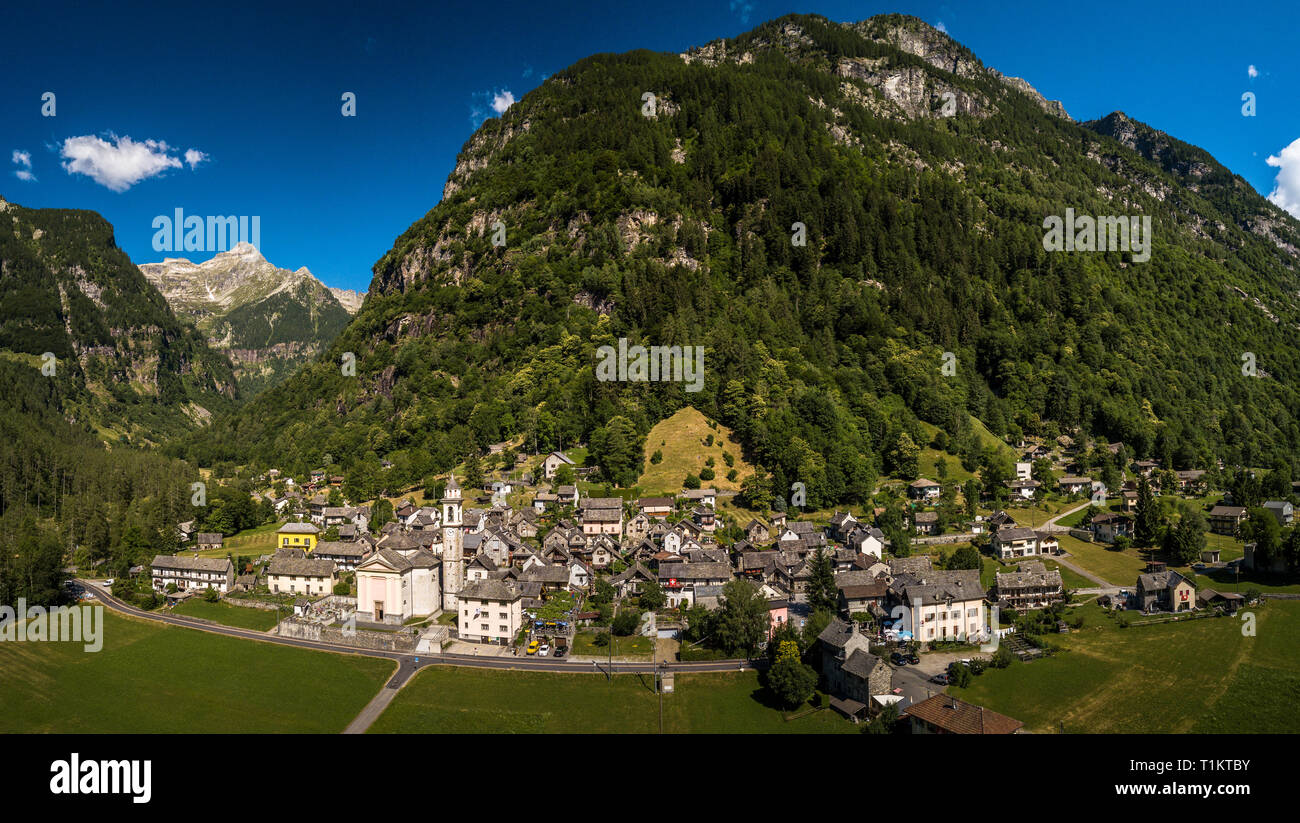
(635, 646)
(1196, 676)
(150, 678)
(681, 439)
(253, 542)
(226, 614)
(464, 700)
(1118, 568)
(1070, 578)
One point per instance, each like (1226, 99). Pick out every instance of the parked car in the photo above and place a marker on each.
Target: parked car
(941, 678)
(915, 660)
(532, 647)
(108, 582)
(898, 659)
(559, 652)
(543, 651)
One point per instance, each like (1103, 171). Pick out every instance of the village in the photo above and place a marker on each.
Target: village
(532, 565)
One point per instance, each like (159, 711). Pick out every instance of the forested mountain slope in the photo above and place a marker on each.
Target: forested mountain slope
(924, 235)
(123, 365)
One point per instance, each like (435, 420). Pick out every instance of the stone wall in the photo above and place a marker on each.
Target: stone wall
(399, 641)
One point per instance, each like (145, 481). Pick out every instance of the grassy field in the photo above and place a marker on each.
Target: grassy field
(1196, 676)
(226, 614)
(150, 678)
(681, 439)
(253, 542)
(636, 646)
(1119, 568)
(463, 700)
(1070, 578)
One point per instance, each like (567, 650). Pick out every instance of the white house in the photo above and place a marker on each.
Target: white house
(193, 572)
(490, 612)
(944, 605)
(552, 462)
(312, 576)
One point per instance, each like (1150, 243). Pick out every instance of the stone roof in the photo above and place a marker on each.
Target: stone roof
(1159, 581)
(496, 590)
(198, 564)
(208, 537)
(694, 571)
(1029, 574)
(1019, 533)
(301, 566)
(860, 664)
(910, 565)
(942, 586)
(340, 549)
(547, 574)
(298, 528)
(837, 633)
(1226, 511)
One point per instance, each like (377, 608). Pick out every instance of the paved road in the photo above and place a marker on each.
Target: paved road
(1051, 526)
(410, 663)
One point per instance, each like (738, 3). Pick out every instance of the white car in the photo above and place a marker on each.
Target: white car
(543, 651)
(108, 582)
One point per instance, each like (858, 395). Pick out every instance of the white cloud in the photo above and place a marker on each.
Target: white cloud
(1286, 189)
(743, 8)
(120, 162)
(23, 159)
(502, 100)
(1251, 71)
(941, 27)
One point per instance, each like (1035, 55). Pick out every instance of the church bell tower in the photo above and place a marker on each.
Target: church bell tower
(453, 546)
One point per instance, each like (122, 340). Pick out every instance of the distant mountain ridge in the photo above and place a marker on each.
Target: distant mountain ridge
(268, 319)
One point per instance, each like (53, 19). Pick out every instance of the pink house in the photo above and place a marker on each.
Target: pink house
(778, 613)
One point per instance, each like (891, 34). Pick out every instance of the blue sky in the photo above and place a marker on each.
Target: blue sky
(254, 94)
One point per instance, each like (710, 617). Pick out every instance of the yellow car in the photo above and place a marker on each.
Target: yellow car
(532, 647)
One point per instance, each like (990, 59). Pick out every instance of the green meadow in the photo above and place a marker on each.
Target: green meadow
(159, 679)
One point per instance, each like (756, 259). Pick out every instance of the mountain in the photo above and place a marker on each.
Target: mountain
(123, 365)
(921, 184)
(269, 320)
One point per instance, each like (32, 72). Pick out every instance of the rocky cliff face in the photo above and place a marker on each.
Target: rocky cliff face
(270, 320)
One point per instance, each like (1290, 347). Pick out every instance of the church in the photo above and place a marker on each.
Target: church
(401, 579)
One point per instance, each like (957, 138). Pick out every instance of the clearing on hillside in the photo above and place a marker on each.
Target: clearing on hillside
(682, 438)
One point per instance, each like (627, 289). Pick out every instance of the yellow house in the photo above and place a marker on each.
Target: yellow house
(297, 536)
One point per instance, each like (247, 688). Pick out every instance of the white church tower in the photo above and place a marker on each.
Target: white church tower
(453, 547)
